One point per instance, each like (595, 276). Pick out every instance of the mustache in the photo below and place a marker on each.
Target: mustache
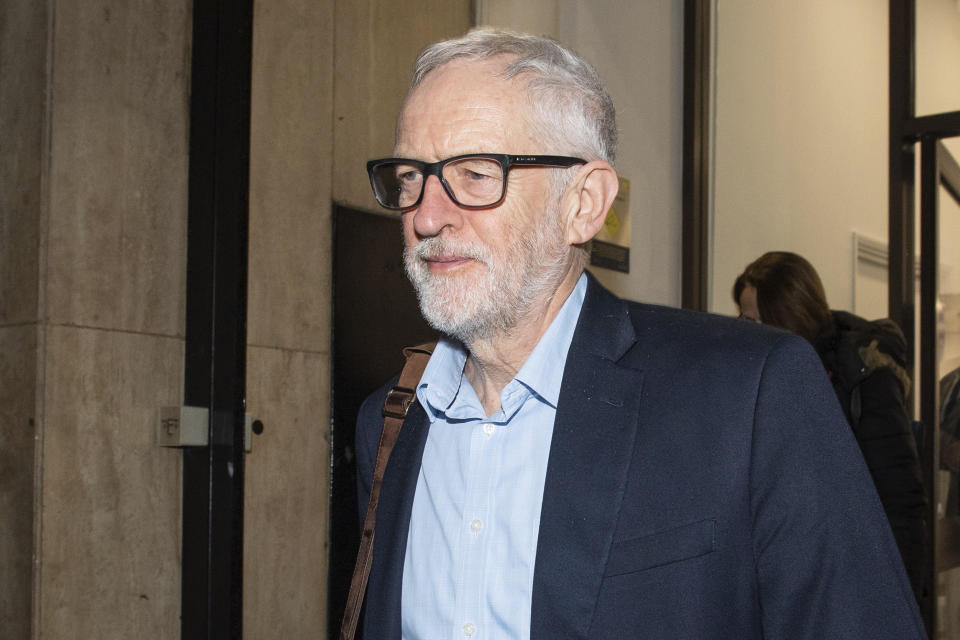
(437, 246)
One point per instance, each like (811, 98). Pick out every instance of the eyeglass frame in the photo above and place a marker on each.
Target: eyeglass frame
(428, 169)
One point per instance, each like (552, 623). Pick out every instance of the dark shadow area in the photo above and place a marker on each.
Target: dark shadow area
(375, 315)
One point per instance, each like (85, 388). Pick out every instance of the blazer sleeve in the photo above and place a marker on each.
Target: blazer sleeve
(827, 564)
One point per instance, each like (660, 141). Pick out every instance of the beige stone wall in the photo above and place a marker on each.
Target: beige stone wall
(112, 319)
(288, 353)
(94, 125)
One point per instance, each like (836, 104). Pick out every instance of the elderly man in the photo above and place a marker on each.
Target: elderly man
(578, 466)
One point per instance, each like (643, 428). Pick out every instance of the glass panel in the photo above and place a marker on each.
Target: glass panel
(948, 486)
(948, 477)
(938, 49)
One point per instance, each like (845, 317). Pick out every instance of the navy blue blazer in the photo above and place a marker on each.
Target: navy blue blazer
(702, 483)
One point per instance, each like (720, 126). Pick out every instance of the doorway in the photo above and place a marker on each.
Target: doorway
(375, 315)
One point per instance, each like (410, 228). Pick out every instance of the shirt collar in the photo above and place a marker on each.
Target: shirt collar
(543, 370)
(441, 380)
(541, 374)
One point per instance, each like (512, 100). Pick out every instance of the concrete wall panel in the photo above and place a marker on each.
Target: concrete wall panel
(290, 175)
(118, 194)
(110, 516)
(287, 495)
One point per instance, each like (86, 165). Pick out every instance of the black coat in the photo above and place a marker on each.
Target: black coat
(866, 363)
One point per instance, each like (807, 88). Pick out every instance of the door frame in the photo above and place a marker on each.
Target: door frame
(216, 317)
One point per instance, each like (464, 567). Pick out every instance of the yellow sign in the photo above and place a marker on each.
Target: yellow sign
(612, 224)
(616, 228)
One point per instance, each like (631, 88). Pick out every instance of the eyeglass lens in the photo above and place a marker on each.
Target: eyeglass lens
(472, 182)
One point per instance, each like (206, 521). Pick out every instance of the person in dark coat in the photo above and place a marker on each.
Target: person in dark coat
(576, 465)
(866, 363)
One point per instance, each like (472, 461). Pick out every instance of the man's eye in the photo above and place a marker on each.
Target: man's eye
(476, 171)
(408, 176)
(476, 175)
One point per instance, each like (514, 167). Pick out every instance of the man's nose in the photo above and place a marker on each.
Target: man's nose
(436, 210)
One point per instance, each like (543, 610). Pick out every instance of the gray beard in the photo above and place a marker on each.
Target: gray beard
(476, 307)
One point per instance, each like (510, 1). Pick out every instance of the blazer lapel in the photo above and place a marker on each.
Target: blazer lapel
(382, 619)
(590, 453)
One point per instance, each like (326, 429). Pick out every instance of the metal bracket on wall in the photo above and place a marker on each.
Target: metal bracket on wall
(190, 427)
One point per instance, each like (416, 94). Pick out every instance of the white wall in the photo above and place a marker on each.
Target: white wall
(938, 91)
(800, 138)
(938, 52)
(637, 47)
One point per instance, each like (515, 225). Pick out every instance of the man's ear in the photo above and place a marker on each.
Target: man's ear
(587, 200)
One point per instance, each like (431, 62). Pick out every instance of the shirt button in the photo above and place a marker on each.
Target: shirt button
(469, 629)
(488, 429)
(476, 526)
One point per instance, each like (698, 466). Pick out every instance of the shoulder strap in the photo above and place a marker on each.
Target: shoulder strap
(395, 407)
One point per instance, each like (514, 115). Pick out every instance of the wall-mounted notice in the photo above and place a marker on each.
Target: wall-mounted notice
(611, 246)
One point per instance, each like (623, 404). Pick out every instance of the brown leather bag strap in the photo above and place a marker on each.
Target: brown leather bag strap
(395, 407)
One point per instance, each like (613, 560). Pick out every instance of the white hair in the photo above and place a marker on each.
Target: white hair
(568, 108)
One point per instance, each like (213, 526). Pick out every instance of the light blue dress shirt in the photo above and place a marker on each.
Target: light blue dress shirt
(468, 570)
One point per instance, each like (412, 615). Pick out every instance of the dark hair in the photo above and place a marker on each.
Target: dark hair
(790, 294)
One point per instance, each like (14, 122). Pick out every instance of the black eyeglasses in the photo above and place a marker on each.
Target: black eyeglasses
(474, 181)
